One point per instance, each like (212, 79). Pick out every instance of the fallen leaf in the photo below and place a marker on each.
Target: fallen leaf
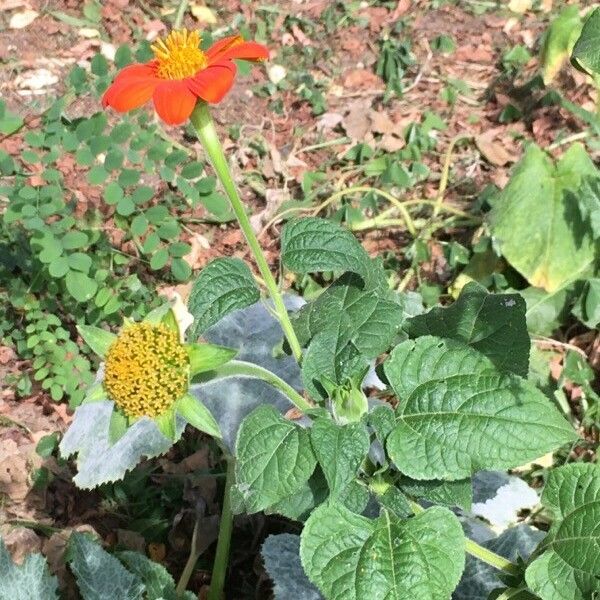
(153, 28)
(381, 122)
(131, 540)
(20, 542)
(391, 143)
(6, 355)
(276, 73)
(329, 120)
(108, 50)
(156, 551)
(401, 9)
(11, 4)
(89, 32)
(14, 469)
(520, 6)
(301, 36)
(492, 150)
(203, 14)
(22, 19)
(362, 79)
(36, 81)
(356, 122)
(197, 257)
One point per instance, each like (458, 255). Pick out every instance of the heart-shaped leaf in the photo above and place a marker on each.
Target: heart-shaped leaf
(569, 569)
(457, 414)
(274, 459)
(350, 557)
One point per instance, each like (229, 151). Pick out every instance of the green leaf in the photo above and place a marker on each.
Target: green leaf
(586, 53)
(350, 557)
(299, 505)
(588, 199)
(587, 307)
(99, 340)
(80, 262)
(80, 286)
(340, 450)
(99, 65)
(331, 361)
(118, 426)
(558, 42)
(536, 218)
(224, 285)
(59, 267)
(29, 581)
(9, 122)
(447, 493)
(312, 244)
(100, 459)
(157, 580)
(181, 269)
(159, 259)
(274, 458)
(166, 423)
(46, 446)
(458, 414)
(74, 239)
(281, 556)
(207, 357)
(371, 317)
(569, 568)
(546, 312)
(348, 325)
(494, 324)
(99, 575)
(382, 420)
(197, 415)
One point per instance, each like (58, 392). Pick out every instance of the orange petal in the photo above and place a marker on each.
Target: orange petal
(235, 47)
(129, 92)
(211, 84)
(173, 101)
(223, 44)
(137, 70)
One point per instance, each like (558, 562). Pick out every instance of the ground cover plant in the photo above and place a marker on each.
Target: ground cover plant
(384, 384)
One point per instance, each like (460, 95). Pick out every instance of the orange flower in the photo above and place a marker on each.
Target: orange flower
(180, 74)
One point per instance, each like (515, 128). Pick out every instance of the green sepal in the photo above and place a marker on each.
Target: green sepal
(95, 393)
(207, 357)
(170, 320)
(348, 401)
(118, 426)
(157, 315)
(197, 415)
(99, 340)
(166, 423)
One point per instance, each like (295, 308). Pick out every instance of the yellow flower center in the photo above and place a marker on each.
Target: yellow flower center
(179, 55)
(147, 369)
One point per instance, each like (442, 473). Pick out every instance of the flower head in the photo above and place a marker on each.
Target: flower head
(147, 372)
(180, 74)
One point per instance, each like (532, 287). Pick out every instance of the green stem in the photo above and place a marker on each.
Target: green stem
(439, 201)
(207, 134)
(183, 4)
(474, 549)
(225, 528)
(240, 368)
(190, 564)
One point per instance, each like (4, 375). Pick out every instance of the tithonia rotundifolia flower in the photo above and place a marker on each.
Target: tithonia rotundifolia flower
(181, 74)
(148, 369)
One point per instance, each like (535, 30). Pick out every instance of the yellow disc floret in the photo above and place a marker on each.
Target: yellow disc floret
(179, 55)
(147, 369)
